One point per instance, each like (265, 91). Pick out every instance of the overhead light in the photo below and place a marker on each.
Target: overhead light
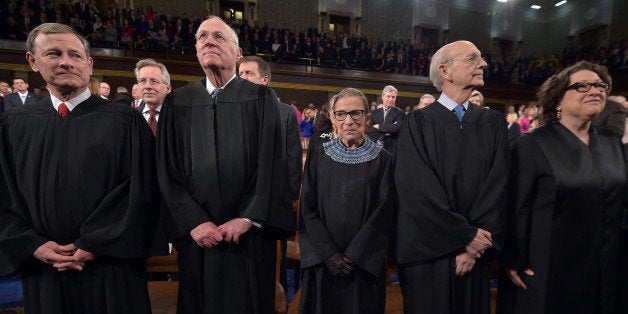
(535, 6)
(560, 3)
(502, 0)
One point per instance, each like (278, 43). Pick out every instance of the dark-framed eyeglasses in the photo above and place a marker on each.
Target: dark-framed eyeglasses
(474, 58)
(355, 114)
(218, 37)
(584, 87)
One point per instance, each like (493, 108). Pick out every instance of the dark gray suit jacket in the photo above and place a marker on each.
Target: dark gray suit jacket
(388, 131)
(14, 100)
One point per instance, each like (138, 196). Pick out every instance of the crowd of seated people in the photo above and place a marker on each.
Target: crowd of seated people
(141, 28)
(145, 28)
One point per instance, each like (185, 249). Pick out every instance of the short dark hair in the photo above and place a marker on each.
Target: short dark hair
(18, 78)
(262, 66)
(554, 88)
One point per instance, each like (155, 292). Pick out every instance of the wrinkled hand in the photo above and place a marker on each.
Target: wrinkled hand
(206, 234)
(339, 265)
(51, 253)
(513, 274)
(480, 243)
(80, 258)
(233, 229)
(464, 263)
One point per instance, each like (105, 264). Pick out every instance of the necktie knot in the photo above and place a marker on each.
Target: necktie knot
(459, 111)
(153, 112)
(63, 110)
(215, 94)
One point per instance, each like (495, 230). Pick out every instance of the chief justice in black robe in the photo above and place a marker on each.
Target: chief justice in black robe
(222, 166)
(76, 192)
(451, 178)
(348, 210)
(569, 193)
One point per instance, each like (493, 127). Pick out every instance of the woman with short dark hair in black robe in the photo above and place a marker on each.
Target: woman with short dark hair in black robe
(562, 253)
(347, 207)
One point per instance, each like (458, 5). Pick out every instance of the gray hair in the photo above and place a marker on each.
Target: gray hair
(152, 63)
(389, 88)
(350, 92)
(53, 28)
(426, 96)
(440, 57)
(233, 32)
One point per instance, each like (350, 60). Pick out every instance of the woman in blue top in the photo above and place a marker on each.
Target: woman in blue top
(306, 127)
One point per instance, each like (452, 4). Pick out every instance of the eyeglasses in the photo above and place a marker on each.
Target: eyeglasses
(474, 58)
(145, 81)
(355, 115)
(218, 37)
(584, 87)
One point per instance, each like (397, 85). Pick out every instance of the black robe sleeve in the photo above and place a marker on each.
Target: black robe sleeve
(347, 208)
(368, 247)
(223, 162)
(95, 189)
(322, 245)
(448, 188)
(125, 219)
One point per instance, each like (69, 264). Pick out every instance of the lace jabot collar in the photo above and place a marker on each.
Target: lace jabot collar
(340, 153)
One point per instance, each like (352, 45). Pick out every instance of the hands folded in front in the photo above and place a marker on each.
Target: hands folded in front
(208, 234)
(63, 257)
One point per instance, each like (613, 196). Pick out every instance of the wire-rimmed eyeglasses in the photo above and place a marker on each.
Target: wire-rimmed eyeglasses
(145, 81)
(218, 37)
(474, 58)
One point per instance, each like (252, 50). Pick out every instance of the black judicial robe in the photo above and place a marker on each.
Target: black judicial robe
(347, 208)
(216, 163)
(568, 201)
(451, 179)
(87, 179)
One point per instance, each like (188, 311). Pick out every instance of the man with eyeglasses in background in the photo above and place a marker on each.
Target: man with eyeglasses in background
(153, 83)
(222, 169)
(451, 175)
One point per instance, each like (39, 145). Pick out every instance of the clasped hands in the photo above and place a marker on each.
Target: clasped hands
(465, 260)
(208, 234)
(63, 257)
(339, 265)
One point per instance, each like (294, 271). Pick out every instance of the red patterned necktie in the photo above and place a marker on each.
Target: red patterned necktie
(63, 110)
(152, 120)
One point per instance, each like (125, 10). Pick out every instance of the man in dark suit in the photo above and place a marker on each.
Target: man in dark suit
(153, 82)
(513, 128)
(82, 8)
(612, 117)
(386, 121)
(21, 96)
(256, 70)
(136, 93)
